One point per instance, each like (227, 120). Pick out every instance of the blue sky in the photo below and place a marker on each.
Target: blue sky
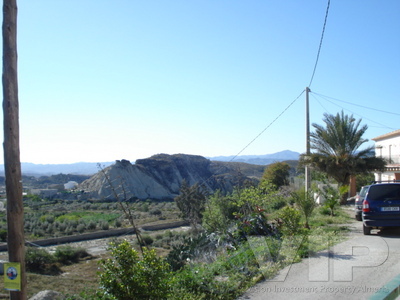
(101, 80)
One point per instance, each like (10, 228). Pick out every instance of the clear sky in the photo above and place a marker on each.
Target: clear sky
(101, 80)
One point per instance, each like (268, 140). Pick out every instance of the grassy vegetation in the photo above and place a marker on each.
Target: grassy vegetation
(246, 245)
(88, 216)
(62, 217)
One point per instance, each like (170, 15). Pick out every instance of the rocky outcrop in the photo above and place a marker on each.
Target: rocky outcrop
(160, 177)
(48, 295)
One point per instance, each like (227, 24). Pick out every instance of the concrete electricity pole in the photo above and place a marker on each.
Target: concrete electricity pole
(308, 151)
(12, 163)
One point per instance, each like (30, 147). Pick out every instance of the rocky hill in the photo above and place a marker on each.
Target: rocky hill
(160, 177)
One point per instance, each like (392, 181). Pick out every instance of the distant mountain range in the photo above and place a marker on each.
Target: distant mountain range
(265, 159)
(82, 168)
(85, 168)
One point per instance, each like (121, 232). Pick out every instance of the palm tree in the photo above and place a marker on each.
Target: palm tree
(336, 149)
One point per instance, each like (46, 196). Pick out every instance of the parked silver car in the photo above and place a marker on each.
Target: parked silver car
(358, 204)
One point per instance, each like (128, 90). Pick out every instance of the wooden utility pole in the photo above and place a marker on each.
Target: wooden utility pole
(308, 151)
(12, 163)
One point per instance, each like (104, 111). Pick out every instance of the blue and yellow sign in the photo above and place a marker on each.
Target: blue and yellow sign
(12, 276)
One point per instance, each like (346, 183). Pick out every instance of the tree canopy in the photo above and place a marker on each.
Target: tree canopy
(277, 174)
(336, 150)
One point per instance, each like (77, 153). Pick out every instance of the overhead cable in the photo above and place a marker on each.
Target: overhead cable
(363, 117)
(269, 125)
(315, 67)
(375, 109)
(320, 43)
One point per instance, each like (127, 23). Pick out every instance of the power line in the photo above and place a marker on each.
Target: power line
(320, 43)
(312, 77)
(314, 94)
(205, 180)
(319, 102)
(375, 109)
(269, 125)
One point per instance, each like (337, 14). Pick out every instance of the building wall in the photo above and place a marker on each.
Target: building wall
(388, 146)
(389, 149)
(386, 176)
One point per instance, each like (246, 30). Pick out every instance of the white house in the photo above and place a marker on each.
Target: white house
(388, 147)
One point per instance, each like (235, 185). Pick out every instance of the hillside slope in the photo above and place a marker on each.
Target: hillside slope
(160, 177)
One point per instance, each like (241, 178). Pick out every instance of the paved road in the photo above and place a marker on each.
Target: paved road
(354, 269)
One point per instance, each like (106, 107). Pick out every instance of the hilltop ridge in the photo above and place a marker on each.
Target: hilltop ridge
(90, 168)
(160, 177)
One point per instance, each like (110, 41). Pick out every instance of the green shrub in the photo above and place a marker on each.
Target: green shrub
(38, 260)
(70, 230)
(86, 206)
(305, 248)
(148, 240)
(38, 232)
(222, 279)
(128, 276)
(68, 255)
(289, 221)
(50, 229)
(104, 206)
(73, 223)
(81, 228)
(276, 203)
(105, 225)
(117, 223)
(144, 207)
(47, 218)
(3, 235)
(155, 212)
(324, 210)
(219, 213)
(62, 227)
(92, 225)
(306, 204)
(255, 223)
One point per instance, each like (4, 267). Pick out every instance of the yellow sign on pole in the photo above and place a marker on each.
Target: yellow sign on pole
(12, 276)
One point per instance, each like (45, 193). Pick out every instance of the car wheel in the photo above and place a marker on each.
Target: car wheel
(366, 230)
(358, 217)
